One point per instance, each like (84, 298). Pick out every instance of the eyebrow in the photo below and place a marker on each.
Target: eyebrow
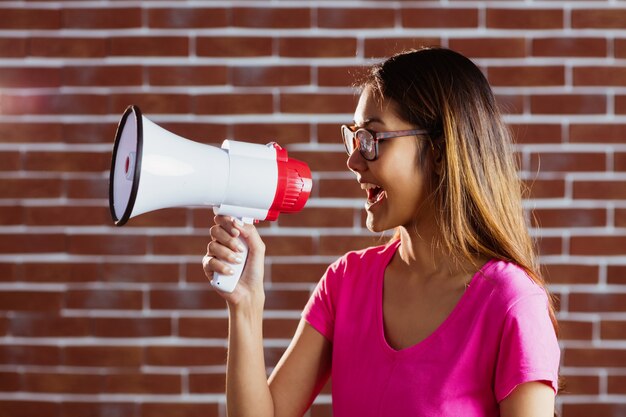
(369, 121)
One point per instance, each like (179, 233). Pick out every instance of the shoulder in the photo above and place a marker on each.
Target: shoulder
(364, 258)
(506, 283)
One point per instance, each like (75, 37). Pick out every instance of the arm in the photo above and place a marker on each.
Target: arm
(304, 367)
(530, 399)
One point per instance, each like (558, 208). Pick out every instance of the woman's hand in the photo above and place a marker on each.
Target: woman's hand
(223, 249)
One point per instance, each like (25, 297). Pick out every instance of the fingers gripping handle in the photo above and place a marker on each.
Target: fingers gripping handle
(227, 283)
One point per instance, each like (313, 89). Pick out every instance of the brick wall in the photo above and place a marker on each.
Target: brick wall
(97, 321)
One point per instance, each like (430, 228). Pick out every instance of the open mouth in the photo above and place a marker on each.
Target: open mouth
(374, 194)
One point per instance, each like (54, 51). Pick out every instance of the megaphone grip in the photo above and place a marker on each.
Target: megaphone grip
(227, 283)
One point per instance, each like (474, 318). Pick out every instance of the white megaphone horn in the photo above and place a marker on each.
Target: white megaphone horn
(153, 169)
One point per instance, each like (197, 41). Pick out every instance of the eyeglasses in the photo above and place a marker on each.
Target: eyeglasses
(366, 141)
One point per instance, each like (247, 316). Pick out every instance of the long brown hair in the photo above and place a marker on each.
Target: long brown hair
(478, 192)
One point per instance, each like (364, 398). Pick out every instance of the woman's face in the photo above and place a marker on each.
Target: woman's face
(396, 183)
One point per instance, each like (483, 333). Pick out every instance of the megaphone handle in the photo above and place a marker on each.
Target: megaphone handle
(227, 283)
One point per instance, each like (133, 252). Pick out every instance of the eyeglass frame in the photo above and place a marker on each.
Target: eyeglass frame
(376, 137)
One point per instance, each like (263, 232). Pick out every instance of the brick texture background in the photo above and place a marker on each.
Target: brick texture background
(101, 321)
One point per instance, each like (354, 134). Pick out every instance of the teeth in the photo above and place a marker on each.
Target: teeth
(367, 186)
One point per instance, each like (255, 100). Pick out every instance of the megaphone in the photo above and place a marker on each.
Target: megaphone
(152, 168)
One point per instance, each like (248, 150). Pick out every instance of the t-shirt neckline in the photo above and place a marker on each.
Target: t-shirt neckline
(380, 278)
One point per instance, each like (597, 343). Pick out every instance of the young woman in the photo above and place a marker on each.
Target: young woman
(449, 318)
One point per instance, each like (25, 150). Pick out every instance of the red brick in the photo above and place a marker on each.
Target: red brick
(103, 299)
(89, 188)
(594, 357)
(595, 133)
(187, 17)
(531, 76)
(30, 300)
(571, 273)
(550, 246)
(131, 327)
(62, 383)
(612, 329)
(30, 77)
(600, 76)
(146, 383)
(323, 161)
(64, 215)
(597, 302)
(318, 217)
(10, 272)
(340, 76)
(108, 408)
(510, 103)
(339, 245)
(187, 75)
(185, 355)
(616, 274)
(154, 103)
(55, 104)
(102, 76)
(568, 162)
(581, 385)
(567, 218)
(32, 243)
(89, 132)
(203, 327)
(271, 17)
(570, 46)
(51, 47)
(616, 384)
(336, 188)
(598, 245)
(107, 245)
(30, 188)
(234, 46)
(29, 18)
(101, 18)
(289, 246)
(568, 104)
(140, 272)
(364, 18)
(179, 410)
(286, 300)
(619, 48)
(29, 355)
(179, 245)
(29, 408)
(321, 410)
(13, 47)
(536, 133)
(9, 381)
(315, 47)
(600, 190)
(620, 217)
(11, 215)
(149, 46)
(575, 330)
(526, 19)
(282, 133)
(439, 18)
(233, 104)
(67, 161)
(317, 103)
(60, 272)
(107, 356)
(620, 104)
(490, 47)
(612, 18)
(384, 47)
(259, 76)
(280, 328)
(30, 132)
(207, 383)
(578, 409)
(185, 299)
(48, 325)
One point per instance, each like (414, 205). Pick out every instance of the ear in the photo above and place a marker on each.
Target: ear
(437, 158)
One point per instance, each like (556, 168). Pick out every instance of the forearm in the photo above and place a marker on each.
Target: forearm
(247, 390)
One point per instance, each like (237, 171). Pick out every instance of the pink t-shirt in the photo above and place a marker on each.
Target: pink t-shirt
(498, 336)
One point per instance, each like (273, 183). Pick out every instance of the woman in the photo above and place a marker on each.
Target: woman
(451, 317)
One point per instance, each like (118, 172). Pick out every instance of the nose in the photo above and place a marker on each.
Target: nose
(356, 162)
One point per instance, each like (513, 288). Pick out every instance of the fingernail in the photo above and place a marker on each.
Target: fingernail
(236, 259)
(230, 271)
(240, 248)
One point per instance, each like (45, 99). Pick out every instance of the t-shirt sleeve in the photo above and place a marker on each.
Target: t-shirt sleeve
(319, 311)
(529, 350)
